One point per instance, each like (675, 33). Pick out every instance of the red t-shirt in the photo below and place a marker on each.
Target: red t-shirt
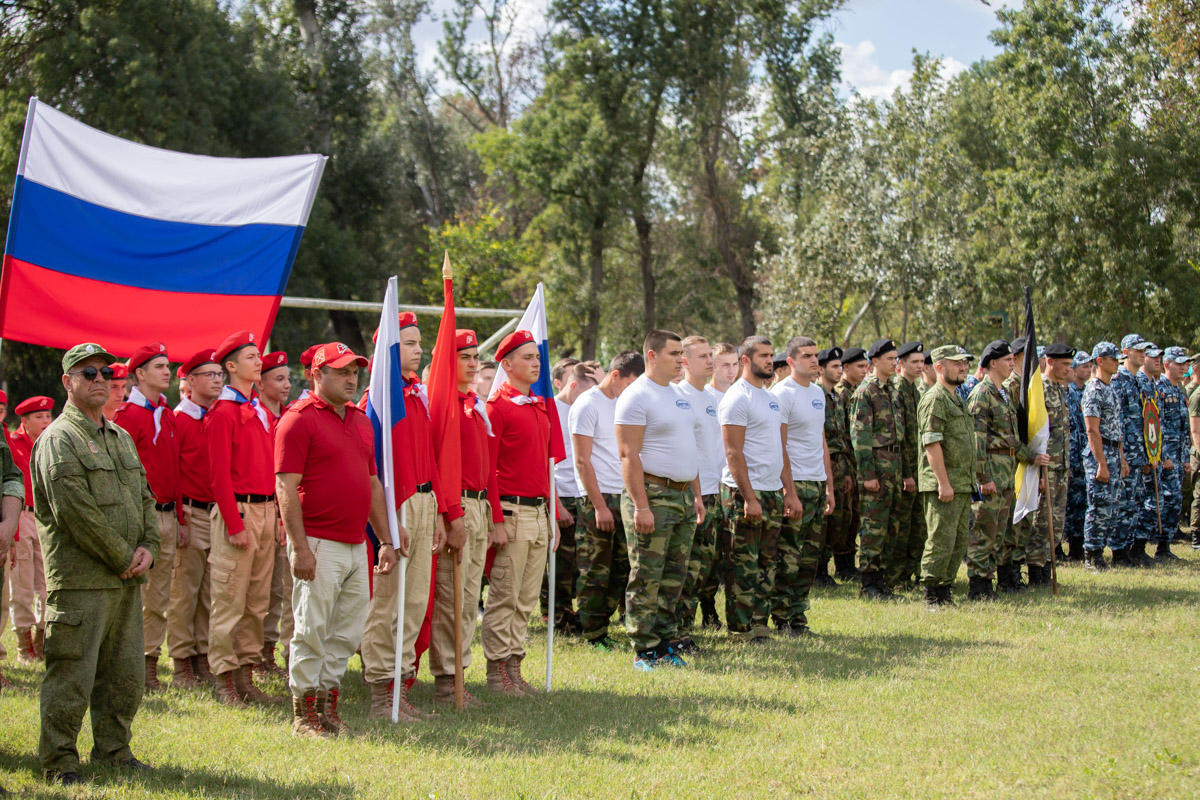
(240, 456)
(519, 447)
(195, 478)
(413, 459)
(21, 445)
(336, 459)
(473, 438)
(159, 456)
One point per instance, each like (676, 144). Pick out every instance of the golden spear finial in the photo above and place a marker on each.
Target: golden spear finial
(447, 273)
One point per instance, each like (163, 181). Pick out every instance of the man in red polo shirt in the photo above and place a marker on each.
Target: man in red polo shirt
(467, 533)
(518, 488)
(191, 597)
(419, 489)
(273, 391)
(327, 488)
(28, 573)
(148, 419)
(116, 390)
(245, 522)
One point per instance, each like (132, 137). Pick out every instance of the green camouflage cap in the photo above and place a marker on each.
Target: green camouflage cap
(82, 352)
(949, 352)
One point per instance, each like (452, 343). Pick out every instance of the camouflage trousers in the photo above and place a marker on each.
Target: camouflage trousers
(1185, 513)
(1134, 489)
(1053, 500)
(1170, 496)
(1076, 503)
(658, 564)
(904, 558)
(566, 571)
(702, 562)
(993, 516)
(947, 542)
(603, 568)
(1100, 524)
(706, 592)
(94, 660)
(800, 544)
(750, 567)
(841, 527)
(880, 520)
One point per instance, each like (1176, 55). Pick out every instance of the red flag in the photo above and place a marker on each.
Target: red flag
(443, 398)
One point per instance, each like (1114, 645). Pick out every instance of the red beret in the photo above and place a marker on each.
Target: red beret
(145, 353)
(512, 342)
(232, 342)
(120, 371)
(273, 361)
(307, 356)
(34, 404)
(3, 397)
(336, 355)
(464, 338)
(407, 320)
(205, 356)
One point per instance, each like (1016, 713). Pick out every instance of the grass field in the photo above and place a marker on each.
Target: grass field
(1089, 695)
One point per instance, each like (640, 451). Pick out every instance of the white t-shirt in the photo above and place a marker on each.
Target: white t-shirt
(756, 410)
(592, 415)
(804, 412)
(564, 471)
(709, 444)
(669, 441)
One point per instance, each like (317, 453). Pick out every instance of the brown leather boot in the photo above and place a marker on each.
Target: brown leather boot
(306, 721)
(184, 677)
(243, 679)
(406, 703)
(201, 670)
(267, 666)
(39, 643)
(514, 673)
(226, 691)
(152, 684)
(498, 680)
(26, 652)
(327, 705)
(381, 703)
(443, 693)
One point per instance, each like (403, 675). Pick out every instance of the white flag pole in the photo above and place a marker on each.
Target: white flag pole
(553, 531)
(402, 565)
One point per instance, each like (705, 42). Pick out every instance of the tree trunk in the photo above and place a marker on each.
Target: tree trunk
(591, 331)
(862, 312)
(738, 271)
(646, 258)
(349, 332)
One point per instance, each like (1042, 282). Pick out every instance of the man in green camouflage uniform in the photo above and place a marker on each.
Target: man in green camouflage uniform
(944, 475)
(1015, 536)
(1058, 475)
(904, 563)
(841, 456)
(878, 431)
(842, 539)
(99, 532)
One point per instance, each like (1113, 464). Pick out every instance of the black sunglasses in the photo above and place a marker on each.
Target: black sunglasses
(90, 373)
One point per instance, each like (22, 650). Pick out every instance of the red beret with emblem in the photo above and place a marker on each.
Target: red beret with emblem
(407, 320)
(120, 371)
(233, 342)
(145, 353)
(464, 338)
(512, 342)
(34, 404)
(205, 356)
(307, 356)
(336, 355)
(273, 361)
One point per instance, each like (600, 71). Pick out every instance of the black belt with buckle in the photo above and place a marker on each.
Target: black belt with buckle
(253, 498)
(187, 501)
(890, 448)
(165, 506)
(473, 495)
(523, 501)
(423, 488)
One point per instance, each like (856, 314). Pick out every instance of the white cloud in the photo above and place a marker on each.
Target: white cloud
(862, 73)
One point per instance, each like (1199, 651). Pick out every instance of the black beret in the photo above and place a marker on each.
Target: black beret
(1059, 350)
(908, 348)
(994, 350)
(880, 347)
(929, 359)
(852, 355)
(779, 360)
(1018, 345)
(829, 354)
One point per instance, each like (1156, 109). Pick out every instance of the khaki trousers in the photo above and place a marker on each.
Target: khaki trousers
(27, 596)
(5, 569)
(441, 641)
(279, 623)
(157, 593)
(191, 590)
(241, 587)
(514, 581)
(379, 638)
(330, 613)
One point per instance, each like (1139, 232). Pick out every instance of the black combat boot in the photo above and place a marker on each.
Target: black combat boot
(1059, 553)
(1004, 579)
(1121, 559)
(980, 588)
(872, 585)
(708, 614)
(1018, 584)
(946, 595)
(1076, 553)
(1094, 560)
(1137, 555)
(1163, 553)
(1037, 577)
(823, 578)
(844, 566)
(932, 600)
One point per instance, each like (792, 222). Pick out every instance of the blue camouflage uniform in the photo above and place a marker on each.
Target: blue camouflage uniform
(1174, 415)
(1077, 486)
(1100, 525)
(1147, 519)
(1125, 387)
(964, 388)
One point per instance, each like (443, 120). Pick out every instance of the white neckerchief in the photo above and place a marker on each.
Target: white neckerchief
(186, 406)
(481, 409)
(136, 397)
(229, 393)
(303, 395)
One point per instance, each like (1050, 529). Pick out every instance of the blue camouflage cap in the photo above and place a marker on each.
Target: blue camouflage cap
(1133, 341)
(1176, 354)
(1106, 349)
(1153, 350)
(1081, 357)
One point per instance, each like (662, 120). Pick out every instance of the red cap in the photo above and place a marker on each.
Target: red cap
(34, 404)
(273, 361)
(307, 356)
(512, 342)
(205, 356)
(145, 353)
(407, 320)
(3, 397)
(233, 342)
(120, 371)
(464, 338)
(336, 355)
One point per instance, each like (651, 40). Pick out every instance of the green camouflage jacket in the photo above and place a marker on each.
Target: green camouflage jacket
(845, 392)
(1058, 413)
(876, 421)
(841, 453)
(995, 431)
(907, 395)
(943, 417)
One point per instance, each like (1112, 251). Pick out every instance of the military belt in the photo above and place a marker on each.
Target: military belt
(889, 448)
(678, 486)
(187, 501)
(1113, 442)
(253, 498)
(1003, 451)
(475, 495)
(523, 501)
(165, 506)
(424, 488)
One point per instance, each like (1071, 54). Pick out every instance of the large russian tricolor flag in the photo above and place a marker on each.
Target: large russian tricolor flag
(120, 243)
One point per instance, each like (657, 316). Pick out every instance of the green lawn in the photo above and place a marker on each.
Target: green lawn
(1088, 695)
